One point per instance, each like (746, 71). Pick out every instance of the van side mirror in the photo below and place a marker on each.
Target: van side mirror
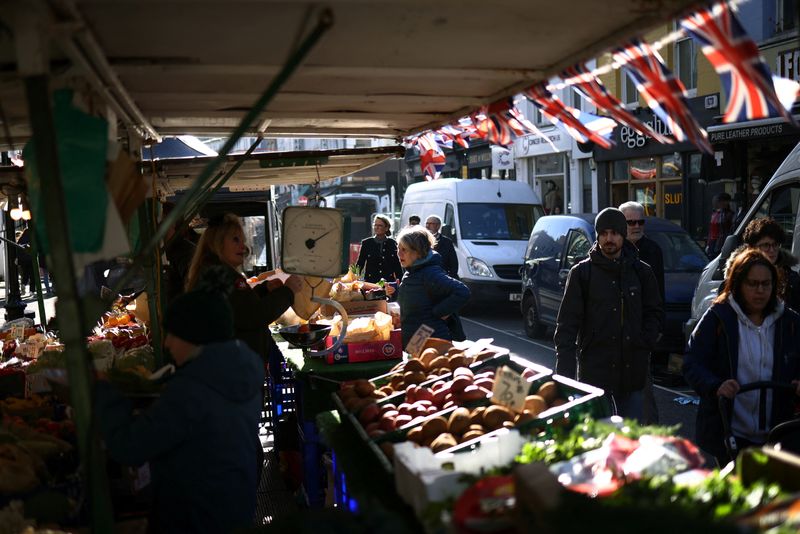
(730, 244)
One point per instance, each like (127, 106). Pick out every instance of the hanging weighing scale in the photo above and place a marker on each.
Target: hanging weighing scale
(315, 243)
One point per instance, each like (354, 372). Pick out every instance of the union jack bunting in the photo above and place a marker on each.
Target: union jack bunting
(431, 157)
(558, 112)
(494, 124)
(454, 134)
(735, 57)
(663, 92)
(593, 90)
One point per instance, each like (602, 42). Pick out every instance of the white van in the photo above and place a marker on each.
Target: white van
(780, 200)
(489, 222)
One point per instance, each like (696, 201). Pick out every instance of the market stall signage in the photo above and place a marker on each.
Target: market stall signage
(510, 388)
(18, 331)
(417, 341)
(751, 132)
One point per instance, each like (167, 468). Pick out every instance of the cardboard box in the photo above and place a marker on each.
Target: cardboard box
(358, 307)
(367, 352)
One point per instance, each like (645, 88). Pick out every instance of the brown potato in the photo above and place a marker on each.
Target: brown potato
(443, 442)
(456, 362)
(508, 424)
(396, 381)
(548, 391)
(558, 402)
(433, 427)
(347, 392)
(476, 427)
(415, 435)
(438, 363)
(351, 403)
(476, 416)
(535, 404)
(495, 416)
(471, 434)
(363, 387)
(524, 417)
(427, 356)
(452, 351)
(459, 421)
(387, 390)
(414, 365)
(484, 355)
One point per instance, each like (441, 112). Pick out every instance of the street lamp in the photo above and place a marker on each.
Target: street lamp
(21, 211)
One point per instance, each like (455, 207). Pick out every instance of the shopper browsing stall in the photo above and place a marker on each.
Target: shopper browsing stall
(426, 294)
(223, 244)
(201, 435)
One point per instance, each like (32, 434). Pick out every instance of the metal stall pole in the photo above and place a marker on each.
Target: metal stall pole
(151, 268)
(15, 308)
(324, 23)
(34, 252)
(31, 50)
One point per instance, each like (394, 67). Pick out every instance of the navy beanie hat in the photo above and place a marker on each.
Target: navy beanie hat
(611, 219)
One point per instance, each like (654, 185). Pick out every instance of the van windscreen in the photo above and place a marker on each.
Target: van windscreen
(479, 220)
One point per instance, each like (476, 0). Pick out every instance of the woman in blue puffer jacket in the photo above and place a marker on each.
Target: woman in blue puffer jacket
(426, 294)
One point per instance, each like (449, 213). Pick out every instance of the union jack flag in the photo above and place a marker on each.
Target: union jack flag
(663, 92)
(431, 156)
(593, 90)
(500, 122)
(453, 134)
(735, 57)
(558, 112)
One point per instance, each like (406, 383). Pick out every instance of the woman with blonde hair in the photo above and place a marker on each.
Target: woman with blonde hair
(378, 255)
(254, 308)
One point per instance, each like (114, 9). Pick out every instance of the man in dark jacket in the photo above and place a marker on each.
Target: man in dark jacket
(650, 253)
(610, 317)
(444, 246)
(201, 436)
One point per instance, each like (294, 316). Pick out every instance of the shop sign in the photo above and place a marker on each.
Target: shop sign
(787, 64)
(534, 145)
(751, 132)
(480, 158)
(633, 139)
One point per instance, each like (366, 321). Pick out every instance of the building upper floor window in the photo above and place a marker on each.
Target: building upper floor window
(630, 95)
(686, 63)
(785, 15)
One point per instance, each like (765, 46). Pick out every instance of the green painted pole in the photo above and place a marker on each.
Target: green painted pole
(73, 324)
(34, 252)
(152, 276)
(324, 23)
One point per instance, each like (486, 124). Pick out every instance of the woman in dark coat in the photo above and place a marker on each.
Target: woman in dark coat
(768, 236)
(253, 308)
(747, 335)
(426, 294)
(378, 256)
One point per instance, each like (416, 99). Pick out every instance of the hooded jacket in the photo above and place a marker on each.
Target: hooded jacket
(609, 320)
(712, 356)
(200, 437)
(426, 294)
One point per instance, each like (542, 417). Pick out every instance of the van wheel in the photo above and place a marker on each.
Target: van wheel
(530, 316)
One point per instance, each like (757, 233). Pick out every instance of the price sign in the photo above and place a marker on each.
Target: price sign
(417, 341)
(510, 389)
(18, 331)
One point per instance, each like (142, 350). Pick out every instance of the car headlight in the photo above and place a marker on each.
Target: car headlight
(478, 267)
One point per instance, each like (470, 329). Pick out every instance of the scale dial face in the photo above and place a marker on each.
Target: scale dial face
(313, 241)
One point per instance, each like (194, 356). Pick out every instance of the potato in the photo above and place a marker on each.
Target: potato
(387, 390)
(508, 424)
(460, 383)
(369, 413)
(414, 365)
(473, 393)
(558, 402)
(484, 355)
(352, 403)
(363, 387)
(458, 421)
(443, 442)
(464, 371)
(415, 435)
(427, 356)
(535, 404)
(415, 377)
(456, 362)
(495, 416)
(433, 428)
(476, 416)
(472, 428)
(439, 362)
(396, 382)
(548, 391)
(347, 392)
(524, 417)
(471, 434)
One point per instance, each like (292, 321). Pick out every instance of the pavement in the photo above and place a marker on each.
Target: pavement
(31, 305)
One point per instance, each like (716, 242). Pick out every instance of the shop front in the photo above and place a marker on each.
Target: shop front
(655, 175)
(545, 164)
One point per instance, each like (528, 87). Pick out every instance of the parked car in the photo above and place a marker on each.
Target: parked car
(560, 241)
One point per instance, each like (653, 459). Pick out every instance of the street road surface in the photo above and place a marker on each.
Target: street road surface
(503, 323)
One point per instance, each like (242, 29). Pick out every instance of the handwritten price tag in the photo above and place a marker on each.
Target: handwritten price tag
(417, 341)
(18, 331)
(510, 389)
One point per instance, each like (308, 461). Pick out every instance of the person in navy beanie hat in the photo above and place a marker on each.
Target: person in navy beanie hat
(611, 219)
(201, 436)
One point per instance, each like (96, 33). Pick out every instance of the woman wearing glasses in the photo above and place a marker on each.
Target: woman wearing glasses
(378, 256)
(767, 236)
(747, 335)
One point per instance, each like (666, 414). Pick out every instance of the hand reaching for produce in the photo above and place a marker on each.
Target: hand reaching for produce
(728, 389)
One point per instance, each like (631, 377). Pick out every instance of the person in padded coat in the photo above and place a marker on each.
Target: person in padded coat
(378, 255)
(747, 335)
(610, 317)
(426, 294)
(201, 436)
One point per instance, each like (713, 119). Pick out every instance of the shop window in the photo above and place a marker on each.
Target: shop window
(782, 205)
(550, 164)
(620, 171)
(671, 166)
(785, 15)
(643, 169)
(646, 196)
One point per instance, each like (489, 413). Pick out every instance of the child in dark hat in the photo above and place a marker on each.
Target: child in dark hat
(201, 436)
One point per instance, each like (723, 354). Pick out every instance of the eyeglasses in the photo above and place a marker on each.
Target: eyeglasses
(432, 224)
(634, 222)
(765, 247)
(766, 285)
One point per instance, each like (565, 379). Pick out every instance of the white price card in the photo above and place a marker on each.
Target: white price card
(417, 341)
(510, 388)
(18, 331)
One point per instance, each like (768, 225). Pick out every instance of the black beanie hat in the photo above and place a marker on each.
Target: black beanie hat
(203, 315)
(611, 219)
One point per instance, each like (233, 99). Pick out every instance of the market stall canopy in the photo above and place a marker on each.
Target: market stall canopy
(384, 69)
(262, 170)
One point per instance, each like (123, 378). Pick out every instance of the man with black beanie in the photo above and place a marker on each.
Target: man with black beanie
(610, 317)
(201, 436)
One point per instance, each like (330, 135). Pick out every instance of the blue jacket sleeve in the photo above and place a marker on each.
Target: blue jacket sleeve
(135, 440)
(702, 349)
(453, 294)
